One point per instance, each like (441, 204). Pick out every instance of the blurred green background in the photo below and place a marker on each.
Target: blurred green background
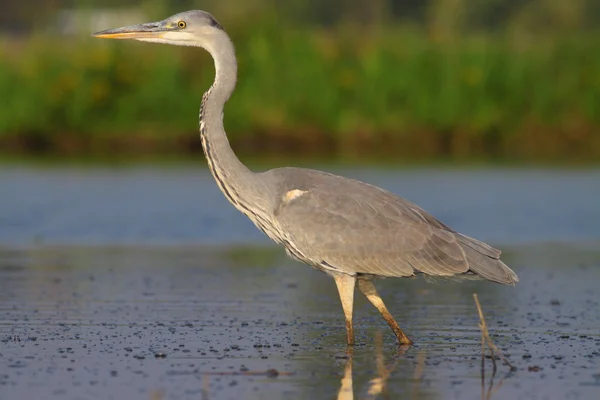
(485, 80)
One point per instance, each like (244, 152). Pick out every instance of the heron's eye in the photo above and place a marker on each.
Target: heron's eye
(181, 24)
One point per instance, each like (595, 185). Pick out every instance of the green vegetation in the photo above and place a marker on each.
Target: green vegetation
(341, 92)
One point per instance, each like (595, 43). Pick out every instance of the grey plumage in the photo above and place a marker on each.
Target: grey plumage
(351, 230)
(357, 228)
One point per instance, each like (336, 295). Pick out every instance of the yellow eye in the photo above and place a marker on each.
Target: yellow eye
(181, 24)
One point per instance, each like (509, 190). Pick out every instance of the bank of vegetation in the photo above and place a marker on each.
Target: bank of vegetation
(331, 91)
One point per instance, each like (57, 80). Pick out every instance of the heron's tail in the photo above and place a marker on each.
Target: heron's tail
(485, 261)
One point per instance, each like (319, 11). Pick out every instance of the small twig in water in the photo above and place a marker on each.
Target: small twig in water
(485, 338)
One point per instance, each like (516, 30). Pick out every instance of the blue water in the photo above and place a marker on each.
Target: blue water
(182, 205)
(144, 283)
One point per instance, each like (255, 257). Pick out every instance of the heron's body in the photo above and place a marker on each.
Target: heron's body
(343, 225)
(349, 229)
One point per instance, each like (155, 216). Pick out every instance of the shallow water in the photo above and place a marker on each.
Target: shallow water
(129, 284)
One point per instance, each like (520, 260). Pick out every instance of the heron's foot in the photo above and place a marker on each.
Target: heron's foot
(404, 340)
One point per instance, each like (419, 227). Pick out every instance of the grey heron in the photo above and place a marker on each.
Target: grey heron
(351, 230)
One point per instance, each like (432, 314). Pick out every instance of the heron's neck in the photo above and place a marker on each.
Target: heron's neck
(234, 179)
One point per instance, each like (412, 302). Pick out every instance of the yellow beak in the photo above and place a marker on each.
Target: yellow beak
(141, 31)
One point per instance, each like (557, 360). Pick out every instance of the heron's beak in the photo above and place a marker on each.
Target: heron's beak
(151, 30)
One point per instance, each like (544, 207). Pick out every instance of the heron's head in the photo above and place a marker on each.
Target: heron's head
(190, 28)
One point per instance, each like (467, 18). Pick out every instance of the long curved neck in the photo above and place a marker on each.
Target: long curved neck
(241, 186)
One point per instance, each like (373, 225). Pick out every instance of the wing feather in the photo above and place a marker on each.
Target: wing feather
(370, 232)
(358, 228)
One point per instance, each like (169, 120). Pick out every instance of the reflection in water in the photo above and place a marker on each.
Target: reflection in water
(418, 375)
(492, 388)
(346, 390)
(376, 385)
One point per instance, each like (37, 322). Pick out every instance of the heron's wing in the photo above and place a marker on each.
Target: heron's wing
(358, 228)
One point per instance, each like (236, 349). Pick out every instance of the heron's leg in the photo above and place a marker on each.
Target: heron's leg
(345, 285)
(369, 290)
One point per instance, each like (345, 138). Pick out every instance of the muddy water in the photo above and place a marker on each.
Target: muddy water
(103, 297)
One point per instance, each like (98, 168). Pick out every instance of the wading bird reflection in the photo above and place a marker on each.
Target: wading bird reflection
(351, 230)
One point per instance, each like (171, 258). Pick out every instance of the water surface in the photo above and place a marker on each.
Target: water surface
(144, 283)
(149, 205)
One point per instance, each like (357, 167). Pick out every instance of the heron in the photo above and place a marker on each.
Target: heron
(351, 230)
